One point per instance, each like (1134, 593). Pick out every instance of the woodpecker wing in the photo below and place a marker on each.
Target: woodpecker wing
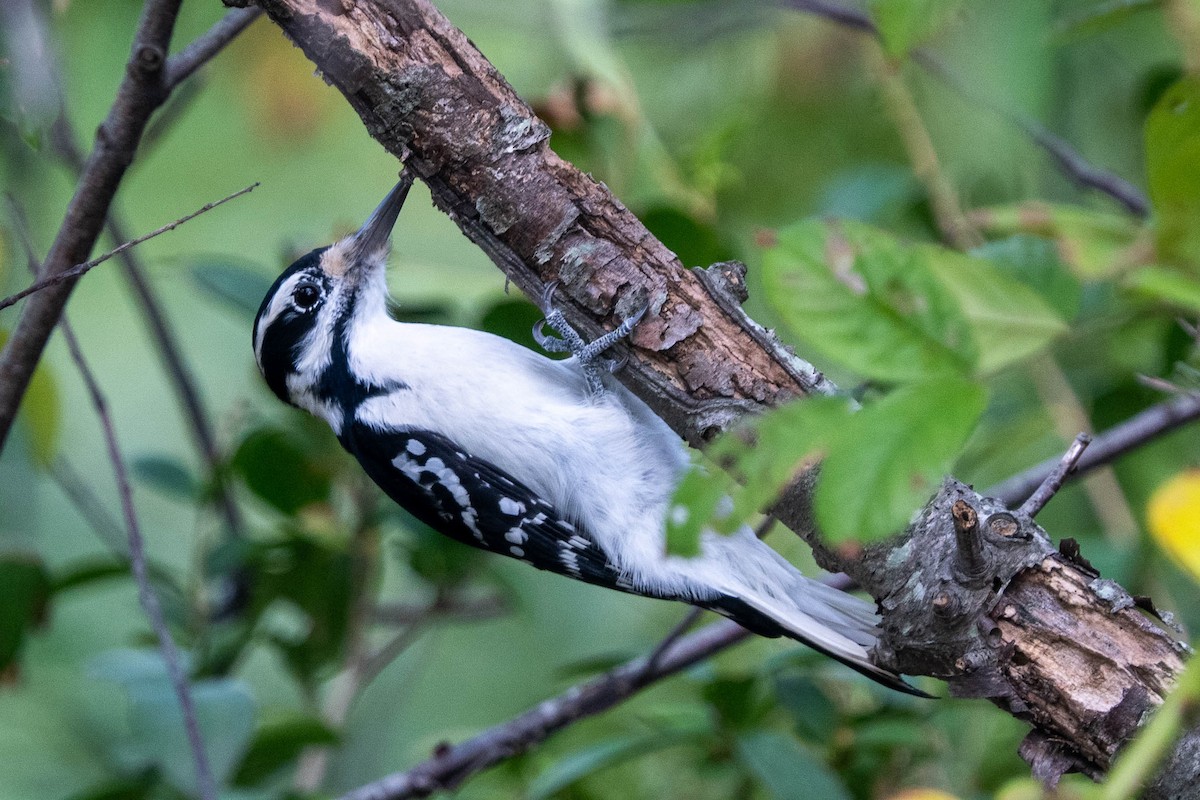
(478, 504)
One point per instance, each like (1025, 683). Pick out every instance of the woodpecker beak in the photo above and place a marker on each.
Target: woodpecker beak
(372, 237)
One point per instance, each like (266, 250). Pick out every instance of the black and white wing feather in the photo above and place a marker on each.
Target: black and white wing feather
(478, 504)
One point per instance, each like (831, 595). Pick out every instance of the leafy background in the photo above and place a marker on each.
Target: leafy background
(735, 130)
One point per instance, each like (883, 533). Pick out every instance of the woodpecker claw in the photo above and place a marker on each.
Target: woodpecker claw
(568, 340)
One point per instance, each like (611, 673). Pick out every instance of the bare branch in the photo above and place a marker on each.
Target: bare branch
(451, 765)
(1067, 158)
(143, 89)
(74, 272)
(80, 493)
(183, 64)
(1105, 447)
(65, 145)
(1054, 481)
(683, 626)
(137, 560)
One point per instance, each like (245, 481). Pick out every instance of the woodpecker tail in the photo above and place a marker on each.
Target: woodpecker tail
(771, 598)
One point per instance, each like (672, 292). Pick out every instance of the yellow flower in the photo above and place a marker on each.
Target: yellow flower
(1173, 515)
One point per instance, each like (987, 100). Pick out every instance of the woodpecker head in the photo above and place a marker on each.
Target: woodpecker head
(301, 328)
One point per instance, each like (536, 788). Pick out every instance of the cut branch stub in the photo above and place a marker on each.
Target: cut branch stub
(431, 98)
(959, 555)
(1041, 634)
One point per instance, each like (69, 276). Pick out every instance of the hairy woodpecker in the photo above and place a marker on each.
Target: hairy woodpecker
(549, 462)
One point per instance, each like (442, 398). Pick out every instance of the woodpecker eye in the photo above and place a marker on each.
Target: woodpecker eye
(306, 295)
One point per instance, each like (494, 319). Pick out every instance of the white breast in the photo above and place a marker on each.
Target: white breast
(608, 463)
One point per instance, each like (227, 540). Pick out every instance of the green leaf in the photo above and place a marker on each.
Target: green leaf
(1096, 18)
(1168, 286)
(696, 243)
(693, 505)
(1008, 320)
(862, 299)
(166, 475)
(277, 469)
(1034, 261)
(812, 712)
(307, 586)
(41, 412)
(439, 559)
(100, 568)
(740, 702)
(24, 593)
(224, 711)
(238, 286)
(789, 439)
(279, 742)
(138, 787)
(904, 24)
(891, 456)
(1173, 171)
(751, 477)
(786, 769)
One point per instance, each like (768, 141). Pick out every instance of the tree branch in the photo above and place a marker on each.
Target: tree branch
(146, 85)
(453, 764)
(1057, 477)
(1107, 447)
(184, 64)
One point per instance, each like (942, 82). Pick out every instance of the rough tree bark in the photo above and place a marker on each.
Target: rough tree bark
(989, 606)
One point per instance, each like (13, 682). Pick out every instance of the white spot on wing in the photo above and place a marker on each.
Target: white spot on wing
(415, 447)
(516, 551)
(511, 507)
(516, 536)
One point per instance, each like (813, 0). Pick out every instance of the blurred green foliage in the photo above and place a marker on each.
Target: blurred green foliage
(735, 130)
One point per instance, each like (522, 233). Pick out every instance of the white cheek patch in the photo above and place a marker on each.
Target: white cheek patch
(316, 347)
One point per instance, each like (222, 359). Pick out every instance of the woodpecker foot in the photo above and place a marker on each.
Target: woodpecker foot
(569, 341)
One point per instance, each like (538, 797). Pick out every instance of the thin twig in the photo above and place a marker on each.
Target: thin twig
(835, 12)
(1054, 481)
(453, 764)
(1070, 162)
(184, 63)
(683, 626)
(80, 493)
(901, 108)
(1105, 447)
(143, 89)
(176, 367)
(137, 560)
(80, 269)
(375, 663)
(1066, 157)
